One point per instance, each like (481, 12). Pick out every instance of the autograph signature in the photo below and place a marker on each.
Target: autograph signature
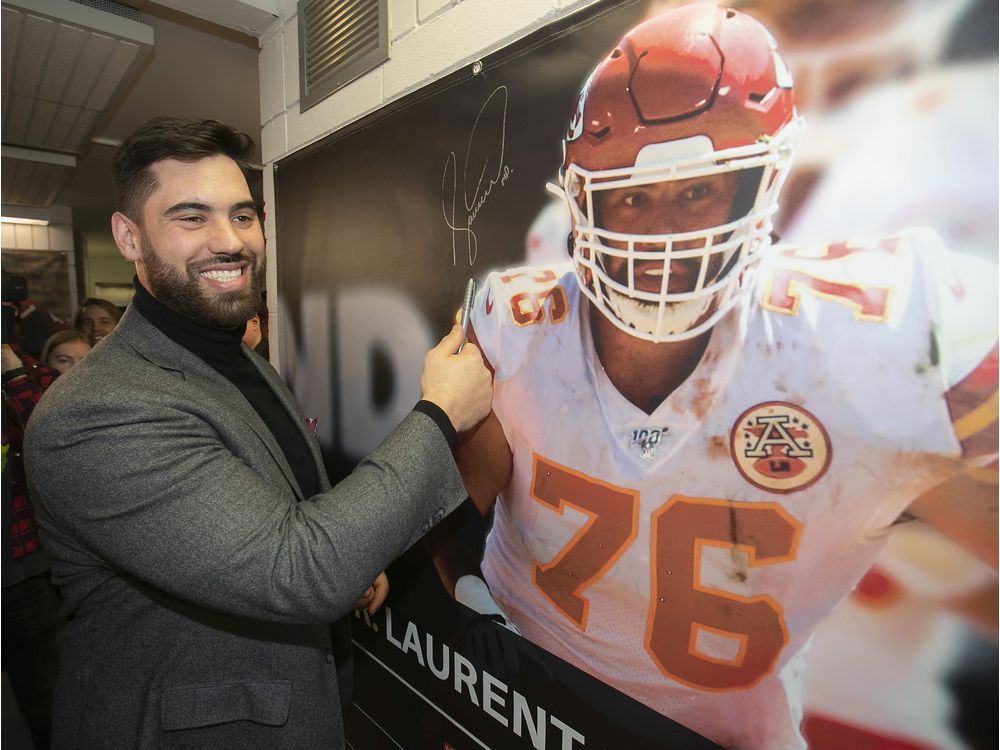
(481, 149)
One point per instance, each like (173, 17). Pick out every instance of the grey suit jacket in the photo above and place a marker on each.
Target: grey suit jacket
(200, 582)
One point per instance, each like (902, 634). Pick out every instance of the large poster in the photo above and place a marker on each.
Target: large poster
(382, 224)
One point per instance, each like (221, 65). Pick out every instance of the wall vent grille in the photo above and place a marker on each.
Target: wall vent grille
(339, 40)
(108, 6)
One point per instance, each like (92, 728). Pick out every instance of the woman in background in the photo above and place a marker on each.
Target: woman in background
(64, 349)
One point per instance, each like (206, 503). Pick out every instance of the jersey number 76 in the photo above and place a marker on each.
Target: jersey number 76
(682, 610)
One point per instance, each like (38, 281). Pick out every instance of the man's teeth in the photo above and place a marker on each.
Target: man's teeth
(222, 275)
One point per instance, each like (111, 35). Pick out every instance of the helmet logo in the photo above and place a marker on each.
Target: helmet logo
(576, 123)
(575, 129)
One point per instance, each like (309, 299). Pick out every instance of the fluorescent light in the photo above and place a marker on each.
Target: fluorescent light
(19, 220)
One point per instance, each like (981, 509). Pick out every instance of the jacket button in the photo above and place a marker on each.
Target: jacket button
(329, 657)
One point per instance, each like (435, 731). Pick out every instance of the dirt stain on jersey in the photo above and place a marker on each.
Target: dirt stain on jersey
(933, 356)
(738, 572)
(703, 397)
(718, 447)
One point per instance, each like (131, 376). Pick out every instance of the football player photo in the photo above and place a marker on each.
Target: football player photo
(702, 437)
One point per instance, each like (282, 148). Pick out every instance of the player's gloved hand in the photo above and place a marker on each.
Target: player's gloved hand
(471, 590)
(491, 647)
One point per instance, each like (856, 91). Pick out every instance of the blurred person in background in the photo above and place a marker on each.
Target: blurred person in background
(64, 349)
(30, 601)
(97, 318)
(255, 336)
(879, 82)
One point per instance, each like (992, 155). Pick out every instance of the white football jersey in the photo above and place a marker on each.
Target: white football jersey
(684, 557)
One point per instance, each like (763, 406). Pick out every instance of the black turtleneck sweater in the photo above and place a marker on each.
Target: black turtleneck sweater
(222, 350)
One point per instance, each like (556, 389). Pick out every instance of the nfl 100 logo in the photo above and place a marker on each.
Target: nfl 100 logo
(647, 440)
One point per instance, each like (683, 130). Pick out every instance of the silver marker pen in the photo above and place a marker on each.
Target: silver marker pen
(470, 297)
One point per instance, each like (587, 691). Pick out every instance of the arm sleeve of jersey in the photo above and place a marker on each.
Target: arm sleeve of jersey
(963, 312)
(972, 403)
(486, 319)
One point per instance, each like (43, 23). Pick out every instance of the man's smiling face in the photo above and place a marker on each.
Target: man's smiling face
(202, 248)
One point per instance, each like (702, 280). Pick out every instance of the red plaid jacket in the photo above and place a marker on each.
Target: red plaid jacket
(21, 391)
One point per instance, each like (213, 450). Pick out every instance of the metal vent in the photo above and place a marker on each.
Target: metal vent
(339, 40)
(125, 11)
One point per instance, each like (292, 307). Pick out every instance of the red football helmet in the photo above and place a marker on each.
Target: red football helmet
(696, 91)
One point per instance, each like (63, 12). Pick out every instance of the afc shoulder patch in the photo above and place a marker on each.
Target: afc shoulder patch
(780, 447)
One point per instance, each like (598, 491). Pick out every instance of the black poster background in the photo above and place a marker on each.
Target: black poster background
(380, 227)
(367, 208)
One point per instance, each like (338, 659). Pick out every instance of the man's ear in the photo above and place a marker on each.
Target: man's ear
(126, 234)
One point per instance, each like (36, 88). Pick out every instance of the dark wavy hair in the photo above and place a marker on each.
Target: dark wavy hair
(170, 138)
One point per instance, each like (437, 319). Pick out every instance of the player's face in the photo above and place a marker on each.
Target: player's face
(201, 241)
(667, 208)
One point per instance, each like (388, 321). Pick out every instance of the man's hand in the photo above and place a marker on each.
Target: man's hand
(459, 383)
(373, 598)
(9, 360)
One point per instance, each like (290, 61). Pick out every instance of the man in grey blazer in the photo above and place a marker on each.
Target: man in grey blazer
(201, 550)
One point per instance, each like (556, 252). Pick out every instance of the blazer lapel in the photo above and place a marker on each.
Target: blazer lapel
(155, 346)
(287, 400)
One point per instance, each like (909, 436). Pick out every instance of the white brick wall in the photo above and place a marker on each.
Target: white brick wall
(429, 39)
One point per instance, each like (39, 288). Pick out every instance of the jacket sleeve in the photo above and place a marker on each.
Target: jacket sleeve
(151, 488)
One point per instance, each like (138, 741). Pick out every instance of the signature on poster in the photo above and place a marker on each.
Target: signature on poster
(483, 169)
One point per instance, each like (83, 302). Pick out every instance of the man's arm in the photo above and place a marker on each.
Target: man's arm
(483, 454)
(484, 461)
(964, 508)
(159, 480)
